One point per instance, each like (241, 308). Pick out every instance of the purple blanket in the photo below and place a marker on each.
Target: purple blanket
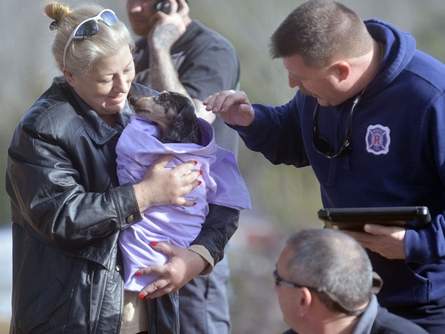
(222, 184)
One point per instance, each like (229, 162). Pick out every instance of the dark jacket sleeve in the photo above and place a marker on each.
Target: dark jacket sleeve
(427, 245)
(220, 224)
(46, 187)
(276, 133)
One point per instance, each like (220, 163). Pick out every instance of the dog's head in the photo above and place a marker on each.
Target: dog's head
(174, 113)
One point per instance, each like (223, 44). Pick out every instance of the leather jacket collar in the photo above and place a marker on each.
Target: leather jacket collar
(97, 129)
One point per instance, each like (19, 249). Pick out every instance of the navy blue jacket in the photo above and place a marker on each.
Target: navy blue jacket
(397, 157)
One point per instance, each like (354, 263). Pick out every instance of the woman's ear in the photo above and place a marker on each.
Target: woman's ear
(69, 77)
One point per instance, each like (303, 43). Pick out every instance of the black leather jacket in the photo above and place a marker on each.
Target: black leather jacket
(67, 211)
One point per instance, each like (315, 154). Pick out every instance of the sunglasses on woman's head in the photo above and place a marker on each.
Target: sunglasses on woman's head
(90, 27)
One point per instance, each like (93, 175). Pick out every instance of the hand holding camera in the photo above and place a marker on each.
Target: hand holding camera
(171, 23)
(163, 6)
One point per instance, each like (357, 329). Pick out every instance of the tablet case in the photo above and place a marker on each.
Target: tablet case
(355, 218)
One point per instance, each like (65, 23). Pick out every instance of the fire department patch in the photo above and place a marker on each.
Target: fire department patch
(378, 139)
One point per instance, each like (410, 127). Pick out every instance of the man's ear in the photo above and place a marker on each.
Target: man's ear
(69, 77)
(340, 70)
(305, 300)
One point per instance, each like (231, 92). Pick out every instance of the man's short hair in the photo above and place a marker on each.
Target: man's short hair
(333, 264)
(320, 32)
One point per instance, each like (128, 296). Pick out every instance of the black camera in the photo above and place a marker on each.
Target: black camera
(163, 6)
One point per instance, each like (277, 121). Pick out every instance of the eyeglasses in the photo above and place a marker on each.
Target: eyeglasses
(321, 145)
(328, 297)
(281, 281)
(90, 27)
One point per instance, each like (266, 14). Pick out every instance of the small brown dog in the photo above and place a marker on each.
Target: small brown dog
(174, 113)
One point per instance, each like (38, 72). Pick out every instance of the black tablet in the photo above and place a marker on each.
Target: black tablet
(355, 218)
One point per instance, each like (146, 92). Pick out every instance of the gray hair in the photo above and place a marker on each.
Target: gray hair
(319, 31)
(333, 264)
(82, 55)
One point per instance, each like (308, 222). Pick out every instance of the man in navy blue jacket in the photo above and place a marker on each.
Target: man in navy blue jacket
(369, 117)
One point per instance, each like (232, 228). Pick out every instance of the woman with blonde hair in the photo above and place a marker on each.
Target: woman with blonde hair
(67, 206)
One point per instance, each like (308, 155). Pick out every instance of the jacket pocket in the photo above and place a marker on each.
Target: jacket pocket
(403, 285)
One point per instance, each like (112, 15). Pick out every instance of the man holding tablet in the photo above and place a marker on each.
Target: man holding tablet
(369, 117)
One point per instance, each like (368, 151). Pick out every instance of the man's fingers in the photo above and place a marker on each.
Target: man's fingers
(244, 107)
(220, 101)
(208, 102)
(381, 230)
(361, 237)
(215, 101)
(237, 98)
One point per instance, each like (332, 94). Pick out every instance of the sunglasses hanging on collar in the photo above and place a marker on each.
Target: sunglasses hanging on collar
(321, 145)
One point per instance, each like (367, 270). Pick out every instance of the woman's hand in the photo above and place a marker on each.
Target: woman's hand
(182, 266)
(167, 186)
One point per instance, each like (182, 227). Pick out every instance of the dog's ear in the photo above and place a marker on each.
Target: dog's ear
(187, 108)
(189, 117)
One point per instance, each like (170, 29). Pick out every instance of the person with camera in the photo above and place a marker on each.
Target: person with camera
(368, 117)
(178, 54)
(325, 284)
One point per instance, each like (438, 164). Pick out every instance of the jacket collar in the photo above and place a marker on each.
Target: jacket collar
(398, 50)
(96, 128)
(366, 320)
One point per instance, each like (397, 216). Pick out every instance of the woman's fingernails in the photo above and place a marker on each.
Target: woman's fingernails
(137, 274)
(199, 183)
(142, 295)
(153, 243)
(195, 162)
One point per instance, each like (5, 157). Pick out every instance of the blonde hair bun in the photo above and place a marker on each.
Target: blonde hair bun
(56, 11)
